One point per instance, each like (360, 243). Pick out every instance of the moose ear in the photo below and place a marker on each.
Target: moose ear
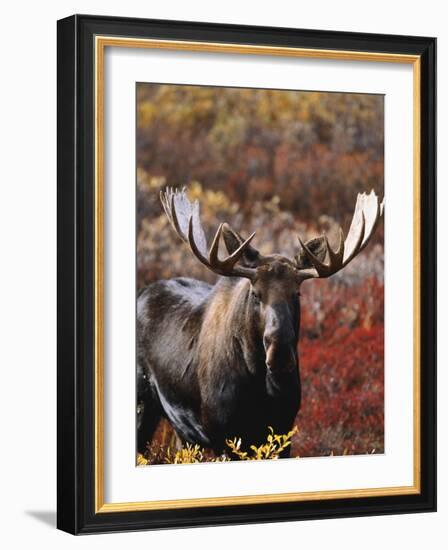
(318, 247)
(233, 241)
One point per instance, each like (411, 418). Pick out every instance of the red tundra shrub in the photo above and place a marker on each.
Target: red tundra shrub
(342, 371)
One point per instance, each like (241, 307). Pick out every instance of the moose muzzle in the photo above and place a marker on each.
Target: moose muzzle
(280, 340)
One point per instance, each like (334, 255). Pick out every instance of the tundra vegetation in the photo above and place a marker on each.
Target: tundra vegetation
(282, 164)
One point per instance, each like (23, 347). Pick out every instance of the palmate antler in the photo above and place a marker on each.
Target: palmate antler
(368, 211)
(184, 217)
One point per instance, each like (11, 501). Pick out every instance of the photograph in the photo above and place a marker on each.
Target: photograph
(260, 274)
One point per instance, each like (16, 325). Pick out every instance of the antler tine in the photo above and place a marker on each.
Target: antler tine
(320, 267)
(233, 258)
(184, 217)
(193, 245)
(163, 200)
(224, 267)
(354, 238)
(367, 213)
(336, 256)
(167, 198)
(174, 218)
(213, 254)
(372, 218)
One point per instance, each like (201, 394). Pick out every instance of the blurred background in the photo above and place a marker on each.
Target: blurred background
(280, 163)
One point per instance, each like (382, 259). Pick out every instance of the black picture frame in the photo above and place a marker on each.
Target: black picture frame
(76, 511)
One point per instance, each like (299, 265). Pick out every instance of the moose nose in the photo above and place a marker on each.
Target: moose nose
(278, 323)
(270, 356)
(279, 339)
(268, 340)
(280, 358)
(271, 348)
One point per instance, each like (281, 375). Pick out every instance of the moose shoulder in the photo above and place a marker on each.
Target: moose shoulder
(221, 361)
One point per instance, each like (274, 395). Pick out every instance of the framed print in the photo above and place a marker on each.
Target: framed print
(246, 274)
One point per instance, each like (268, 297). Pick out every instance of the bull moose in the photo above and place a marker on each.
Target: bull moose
(220, 361)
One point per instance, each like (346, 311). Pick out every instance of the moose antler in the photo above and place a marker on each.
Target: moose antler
(184, 217)
(368, 211)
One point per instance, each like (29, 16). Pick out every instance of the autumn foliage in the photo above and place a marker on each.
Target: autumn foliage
(191, 454)
(280, 163)
(342, 370)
